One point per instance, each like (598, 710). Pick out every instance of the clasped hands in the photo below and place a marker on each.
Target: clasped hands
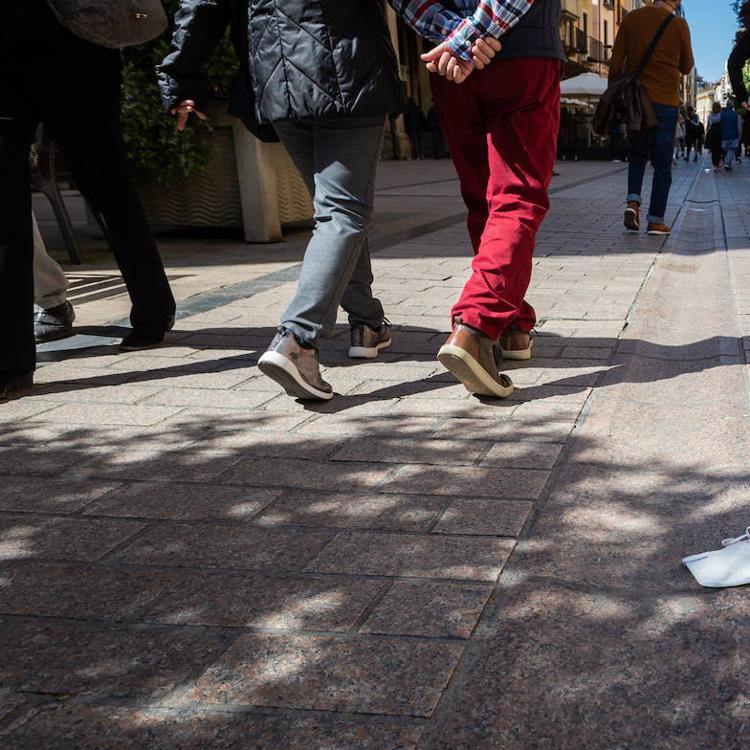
(439, 60)
(443, 61)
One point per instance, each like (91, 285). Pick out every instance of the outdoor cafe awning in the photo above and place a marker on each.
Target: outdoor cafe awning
(586, 84)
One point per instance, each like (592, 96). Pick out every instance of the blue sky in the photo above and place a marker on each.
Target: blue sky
(713, 25)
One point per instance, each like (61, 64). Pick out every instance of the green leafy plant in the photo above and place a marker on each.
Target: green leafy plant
(154, 146)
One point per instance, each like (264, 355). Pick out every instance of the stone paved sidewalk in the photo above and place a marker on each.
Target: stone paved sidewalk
(190, 559)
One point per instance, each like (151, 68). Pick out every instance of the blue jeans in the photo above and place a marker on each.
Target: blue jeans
(730, 151)
(656, 143)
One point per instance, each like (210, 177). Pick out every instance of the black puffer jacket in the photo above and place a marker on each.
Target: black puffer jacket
(300, 60)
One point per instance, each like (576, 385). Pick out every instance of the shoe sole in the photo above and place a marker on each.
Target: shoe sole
(126, 348)
(368, 352)
(16, 394)
(655, 233)
(277, 367)
(55, 336)
(631, 222)
(518, 355)
(470, 373)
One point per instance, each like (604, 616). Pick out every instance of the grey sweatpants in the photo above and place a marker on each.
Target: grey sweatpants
(338, 160)
(50, 284)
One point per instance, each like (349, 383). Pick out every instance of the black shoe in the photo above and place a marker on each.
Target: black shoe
(15, 384)
(146, 338)
(54, 323)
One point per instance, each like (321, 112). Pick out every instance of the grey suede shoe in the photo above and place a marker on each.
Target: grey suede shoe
(295, 368)
(367, 342)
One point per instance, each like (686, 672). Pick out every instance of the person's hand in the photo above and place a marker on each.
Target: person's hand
(442, 61)
(746, 106)
(484, 50)
(182, 112)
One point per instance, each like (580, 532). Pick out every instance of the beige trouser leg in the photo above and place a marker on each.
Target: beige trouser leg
(50, 284)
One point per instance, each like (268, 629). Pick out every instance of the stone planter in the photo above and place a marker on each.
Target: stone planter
(246, 184)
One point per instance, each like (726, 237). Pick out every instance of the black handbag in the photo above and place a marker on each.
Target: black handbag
(625, 98)
(112, 24)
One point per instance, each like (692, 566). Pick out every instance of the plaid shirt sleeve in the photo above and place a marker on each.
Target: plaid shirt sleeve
(429, 18)
(492, 18)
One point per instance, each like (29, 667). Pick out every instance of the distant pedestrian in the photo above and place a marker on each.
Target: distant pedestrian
(713, 136)
(731, 133)
(679, 141)
(49, 75)
(334, 140)
(661, 79)
(436, 131)
(701, 138)
(415, 124)
(692, 134)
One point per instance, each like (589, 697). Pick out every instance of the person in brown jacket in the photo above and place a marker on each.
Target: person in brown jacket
(661, 79)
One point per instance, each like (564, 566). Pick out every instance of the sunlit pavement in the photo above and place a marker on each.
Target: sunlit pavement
(190, 559)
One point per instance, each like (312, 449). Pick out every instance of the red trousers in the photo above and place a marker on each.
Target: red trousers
(501, 125)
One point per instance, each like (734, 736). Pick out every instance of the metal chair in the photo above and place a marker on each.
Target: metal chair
(46, 176)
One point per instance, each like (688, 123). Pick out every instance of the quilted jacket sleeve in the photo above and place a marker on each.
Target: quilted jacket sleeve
(198, 27)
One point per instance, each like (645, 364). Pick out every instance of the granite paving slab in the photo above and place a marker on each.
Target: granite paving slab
(224, 546)
(69, 657)
(436, 609)
(421, 556)
(363, 675)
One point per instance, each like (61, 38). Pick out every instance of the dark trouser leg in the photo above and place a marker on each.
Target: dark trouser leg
(79, 101)
(17, 348)
(637, 164)
(93, 145)
(660, 139)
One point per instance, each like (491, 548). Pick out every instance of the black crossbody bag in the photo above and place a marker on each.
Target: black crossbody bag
(126, 23)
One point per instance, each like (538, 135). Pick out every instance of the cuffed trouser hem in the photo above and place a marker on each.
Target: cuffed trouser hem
(634, 197)
(655, 219)
(305, 336)
(50, 301)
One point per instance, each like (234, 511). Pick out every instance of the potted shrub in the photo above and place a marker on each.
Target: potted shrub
(213, 173)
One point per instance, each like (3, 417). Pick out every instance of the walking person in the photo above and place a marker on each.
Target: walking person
(286, 79)
(672, 58)
(692, 123)
(47, 74)
(501, 126)
(679, 141)
(713, 137)
(731, 132)
(415, 123)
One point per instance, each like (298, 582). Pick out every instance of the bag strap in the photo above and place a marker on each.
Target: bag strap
(652, 47)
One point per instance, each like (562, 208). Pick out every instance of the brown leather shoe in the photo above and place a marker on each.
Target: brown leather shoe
(469, 355)
(657, 229)
(516, 345)
(633, 216)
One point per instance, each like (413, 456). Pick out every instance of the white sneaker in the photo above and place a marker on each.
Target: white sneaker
(721, 568)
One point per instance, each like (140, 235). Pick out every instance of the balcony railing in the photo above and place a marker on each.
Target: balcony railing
(598, 51)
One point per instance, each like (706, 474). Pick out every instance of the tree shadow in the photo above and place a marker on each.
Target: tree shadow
(222, 577)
